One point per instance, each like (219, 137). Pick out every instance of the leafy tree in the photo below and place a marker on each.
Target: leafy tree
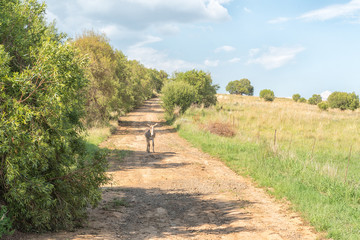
(117, 85)
(103, 86)
(177, 93)
(296, 97)
(47, 178)
(242, 86)
(343, 100)
(323, 105)
(315, 99)
(202, 82)
(267, 95)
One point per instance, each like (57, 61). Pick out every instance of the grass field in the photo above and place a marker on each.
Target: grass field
(298, 152)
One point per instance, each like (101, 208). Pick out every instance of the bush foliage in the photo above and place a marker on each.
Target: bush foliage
(186, 88)
(323, 105)
(296, 97)
(177, 93)
(47, 177)
(267, 95)
(302, 100)
(202, 83)
(343, 100)
(315, 99)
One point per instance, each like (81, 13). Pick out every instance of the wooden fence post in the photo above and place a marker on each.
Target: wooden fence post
(347, 167)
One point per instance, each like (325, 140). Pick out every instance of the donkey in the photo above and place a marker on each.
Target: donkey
(150, 135)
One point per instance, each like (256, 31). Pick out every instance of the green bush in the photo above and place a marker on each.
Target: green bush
(343, 100)
(177, 93)
(323, 105)
(267, 95)
(202, 83)
(5, 222)
(47, 177)
(302, 100)
(315, 99)
(296, 97)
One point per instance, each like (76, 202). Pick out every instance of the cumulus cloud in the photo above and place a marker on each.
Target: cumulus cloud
(140, 14)
(350, 9)
(325, 95)
(225, 48)
(274, 57)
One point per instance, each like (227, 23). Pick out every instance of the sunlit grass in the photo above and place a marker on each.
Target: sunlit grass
(307, 161)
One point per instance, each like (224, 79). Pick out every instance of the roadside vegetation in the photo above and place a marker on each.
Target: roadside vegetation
(60, 98)
(296, 151)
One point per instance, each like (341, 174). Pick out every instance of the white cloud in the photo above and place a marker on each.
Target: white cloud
(278, 20)
(274, 57)
(234, 60)
(211, 63)
(350, 9)
(153, 58)
(247, 10)
(254, 51)
(225, 49)
(325, 95)
(141, 14)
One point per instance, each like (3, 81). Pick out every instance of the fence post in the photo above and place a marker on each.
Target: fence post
(347, 167)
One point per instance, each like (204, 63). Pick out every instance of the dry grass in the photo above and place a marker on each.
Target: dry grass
(221, 129)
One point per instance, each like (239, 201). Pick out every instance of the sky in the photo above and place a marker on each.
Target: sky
(289, 46)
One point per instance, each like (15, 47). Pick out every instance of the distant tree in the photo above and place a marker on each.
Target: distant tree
(315, 99)
(302, 100)
(267, 95)
(343, 100)
(296, 97)
(242, 86)
(202, 82)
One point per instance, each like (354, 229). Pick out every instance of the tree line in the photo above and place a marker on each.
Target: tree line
(340, 100)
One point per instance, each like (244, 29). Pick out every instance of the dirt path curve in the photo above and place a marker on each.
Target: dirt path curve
(178, 192)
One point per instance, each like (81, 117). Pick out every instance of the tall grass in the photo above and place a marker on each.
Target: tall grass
(96, 135)
(307, 163)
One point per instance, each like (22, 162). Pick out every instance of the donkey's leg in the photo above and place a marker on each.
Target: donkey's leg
(153, 144)
(147, 145)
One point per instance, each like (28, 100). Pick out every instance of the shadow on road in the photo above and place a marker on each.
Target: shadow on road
(155, 213)
(126, 160)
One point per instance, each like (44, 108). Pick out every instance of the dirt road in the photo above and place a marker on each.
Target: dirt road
(179, 192)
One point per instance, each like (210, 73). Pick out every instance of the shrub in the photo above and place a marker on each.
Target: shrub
(323, 105)
(296, 97)
(267, 95)
(177, 93)
(302, 100)
(5, 222)
(315, 99)
(202, 84)
(48, 179)
(343, 100)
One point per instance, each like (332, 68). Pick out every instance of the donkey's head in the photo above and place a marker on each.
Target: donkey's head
(152, 128)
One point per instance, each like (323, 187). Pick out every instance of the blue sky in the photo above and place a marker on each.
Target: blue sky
(289, 46)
